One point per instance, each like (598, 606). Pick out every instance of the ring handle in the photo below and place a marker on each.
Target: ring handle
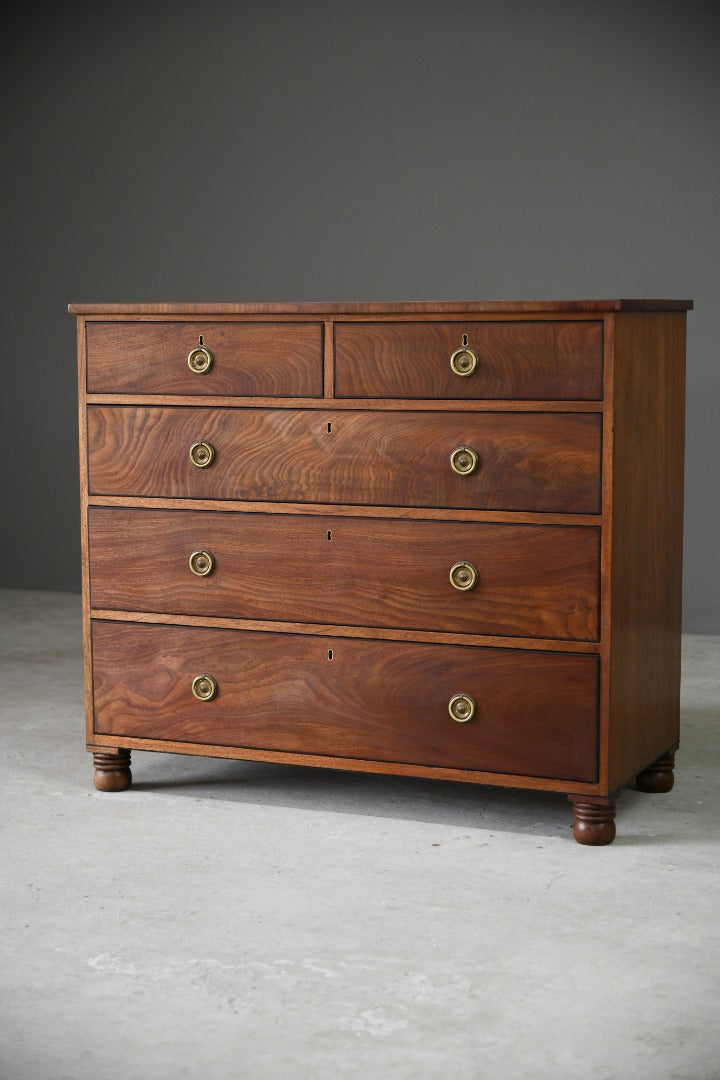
(463, 576)
(204, 687)
(201, 563)
(202, 454)
(462, 708)
(464, 460)
(464, 361)
(200, 359)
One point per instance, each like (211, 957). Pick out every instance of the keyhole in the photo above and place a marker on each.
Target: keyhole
(200, 340)
(329, 427)
(330, 654)
(464, 339)
(329, 534)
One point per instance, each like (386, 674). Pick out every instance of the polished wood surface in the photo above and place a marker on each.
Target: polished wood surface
(593, 820)
(249, 359)
(521, 360)
(537, 713)
(645, 576)
(344, 651)
(112, 770)
(659, 777)
(533, 580)
(547, 462)
(412, 307)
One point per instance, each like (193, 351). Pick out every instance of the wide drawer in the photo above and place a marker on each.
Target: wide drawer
(527, 360)
(524, 461)
(532, 580)
(246, 359)
(536, 713)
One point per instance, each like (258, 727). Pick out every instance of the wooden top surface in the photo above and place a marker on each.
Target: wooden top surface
(423, 307)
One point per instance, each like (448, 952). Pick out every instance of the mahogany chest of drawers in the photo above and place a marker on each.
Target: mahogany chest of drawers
(441, 540)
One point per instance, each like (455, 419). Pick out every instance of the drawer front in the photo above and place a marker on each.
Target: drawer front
(531, 360)
(531, 580)
(247, 359)
(536, 713)
(525, 461)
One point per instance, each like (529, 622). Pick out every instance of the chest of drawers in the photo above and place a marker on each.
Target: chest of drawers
(439, 540)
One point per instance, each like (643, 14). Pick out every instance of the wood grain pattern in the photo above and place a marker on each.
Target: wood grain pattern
(437, 405)
(533, 580)
(521, 360)
(546, 462)
(376, 633)
(367, 765)
(407, 513)
(593, 821)
(411, 307)
(83, 477)
(563, 463)
(537, 713)
(249, 359)
(646, 511)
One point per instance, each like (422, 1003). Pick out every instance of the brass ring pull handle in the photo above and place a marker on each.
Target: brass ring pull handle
(201, 563)
(464, 460)
(463, 576)
(462, 708)
(204, 687)
(202, 454)
(200, 359)
(464, 361)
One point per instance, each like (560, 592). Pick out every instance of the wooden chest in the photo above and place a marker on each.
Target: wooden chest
(439, 540)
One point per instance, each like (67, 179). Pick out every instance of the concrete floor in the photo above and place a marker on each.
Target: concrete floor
(228, 920)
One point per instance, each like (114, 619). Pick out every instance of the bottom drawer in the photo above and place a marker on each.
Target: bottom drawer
(536, 713)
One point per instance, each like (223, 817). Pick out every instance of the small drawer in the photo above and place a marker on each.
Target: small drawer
(518, 580)
(249, 359)
(521, 360)
(496, 461)
(492, 710)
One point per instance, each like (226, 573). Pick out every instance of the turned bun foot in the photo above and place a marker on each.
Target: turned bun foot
(593, 822)
(659, 777)
(112, 771)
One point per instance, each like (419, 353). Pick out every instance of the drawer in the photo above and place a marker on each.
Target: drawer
(532, 580)
(536, 713)
(247, 359)
(524, 461)
(526, 360)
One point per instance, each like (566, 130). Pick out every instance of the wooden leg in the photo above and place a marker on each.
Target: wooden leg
(593, 820)
(112, 770)
(659, 776)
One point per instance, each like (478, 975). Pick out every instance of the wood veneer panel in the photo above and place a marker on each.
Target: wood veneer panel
(646, 576)
(526, 360)
(349, 404)
(413, 307)
(537, 712)
(542, 462)
(249, 359)
(410, 513)
(533, 580)
(391, 768)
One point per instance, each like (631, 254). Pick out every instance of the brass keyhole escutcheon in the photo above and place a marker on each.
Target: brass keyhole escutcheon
(464, 460)
(202, 454)
(463, 576)
(464, 361)
(201, 563)
(200, 359)
(462, 708)
(204, 687)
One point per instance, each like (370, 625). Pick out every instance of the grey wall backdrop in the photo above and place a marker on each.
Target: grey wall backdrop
(322, 151)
